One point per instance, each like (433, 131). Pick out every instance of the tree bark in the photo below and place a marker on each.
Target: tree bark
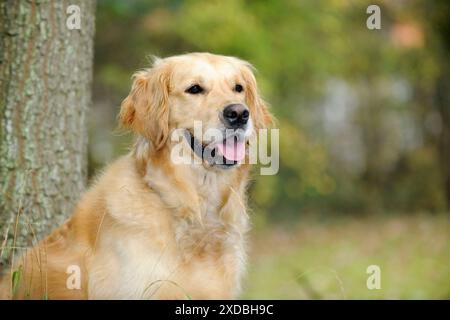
(45, 91)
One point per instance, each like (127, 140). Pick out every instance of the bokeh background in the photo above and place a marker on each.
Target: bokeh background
(364, 120)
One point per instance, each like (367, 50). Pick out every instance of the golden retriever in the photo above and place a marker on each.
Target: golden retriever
(151, 227)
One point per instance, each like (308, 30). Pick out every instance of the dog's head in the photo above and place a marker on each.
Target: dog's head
(181, 92)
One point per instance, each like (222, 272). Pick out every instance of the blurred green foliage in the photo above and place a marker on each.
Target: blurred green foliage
(362, 128)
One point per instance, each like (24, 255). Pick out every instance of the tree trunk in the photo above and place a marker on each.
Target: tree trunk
(436, 11)
(442, 98)
(45, 91)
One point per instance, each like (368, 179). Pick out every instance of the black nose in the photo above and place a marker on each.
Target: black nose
(235, 116)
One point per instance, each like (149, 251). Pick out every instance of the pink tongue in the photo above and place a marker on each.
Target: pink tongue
(232, 150)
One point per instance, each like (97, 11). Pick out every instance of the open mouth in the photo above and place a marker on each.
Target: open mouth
(227, 153)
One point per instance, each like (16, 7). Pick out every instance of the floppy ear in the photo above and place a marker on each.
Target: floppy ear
(145, 110)
(258, 108)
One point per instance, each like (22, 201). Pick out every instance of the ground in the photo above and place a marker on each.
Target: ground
(328, 259)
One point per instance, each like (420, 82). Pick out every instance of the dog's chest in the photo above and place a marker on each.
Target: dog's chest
(178, 257)
(209, 191)
(136, 268)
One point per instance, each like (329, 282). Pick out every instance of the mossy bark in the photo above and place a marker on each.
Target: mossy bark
(45, 91)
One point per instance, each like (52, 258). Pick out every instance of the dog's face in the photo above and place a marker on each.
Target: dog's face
(213, 98)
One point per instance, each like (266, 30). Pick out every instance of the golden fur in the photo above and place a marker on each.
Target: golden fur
(149, 228)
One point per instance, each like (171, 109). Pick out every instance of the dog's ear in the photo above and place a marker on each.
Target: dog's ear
(258, 108)
(145, 110)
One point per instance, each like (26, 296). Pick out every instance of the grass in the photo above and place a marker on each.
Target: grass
(328, 260)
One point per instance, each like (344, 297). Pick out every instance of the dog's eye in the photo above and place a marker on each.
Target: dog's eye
(238, 88)
(195, 89)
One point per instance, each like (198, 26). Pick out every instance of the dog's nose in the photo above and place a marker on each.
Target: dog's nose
(235, 116)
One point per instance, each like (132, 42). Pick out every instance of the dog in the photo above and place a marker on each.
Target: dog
(151, 227)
